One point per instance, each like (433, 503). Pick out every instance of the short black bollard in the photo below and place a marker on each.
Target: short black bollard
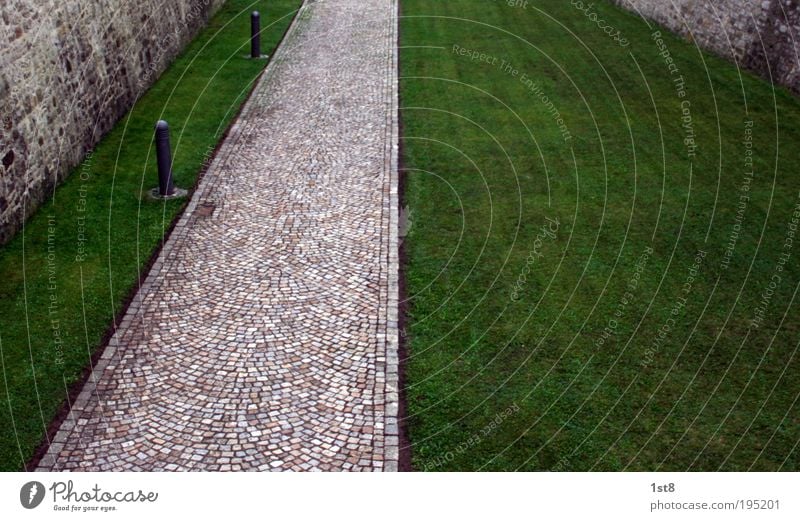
(166, 187)
(255, 35)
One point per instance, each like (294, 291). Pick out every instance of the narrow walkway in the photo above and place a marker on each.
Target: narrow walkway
(265, 337)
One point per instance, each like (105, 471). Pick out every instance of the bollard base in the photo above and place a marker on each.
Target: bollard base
(262, 57)
(179, 192)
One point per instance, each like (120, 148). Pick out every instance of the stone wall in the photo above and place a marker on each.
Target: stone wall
(760, 35)
(69, 69)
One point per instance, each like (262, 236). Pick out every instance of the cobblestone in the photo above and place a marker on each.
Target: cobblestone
(260, 338)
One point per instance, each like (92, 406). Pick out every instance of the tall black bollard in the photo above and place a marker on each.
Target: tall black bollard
(166, 187)
(255, 35)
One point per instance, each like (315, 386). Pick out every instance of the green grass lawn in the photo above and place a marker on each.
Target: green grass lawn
(652, 324)
(56, 300)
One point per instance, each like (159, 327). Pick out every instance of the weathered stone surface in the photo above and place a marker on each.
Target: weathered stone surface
(68, 71)
(756, 34)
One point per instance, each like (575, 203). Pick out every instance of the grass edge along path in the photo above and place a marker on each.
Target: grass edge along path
(66, 276)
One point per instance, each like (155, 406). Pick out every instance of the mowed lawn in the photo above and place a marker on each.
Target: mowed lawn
(65, 277)
(612, 286)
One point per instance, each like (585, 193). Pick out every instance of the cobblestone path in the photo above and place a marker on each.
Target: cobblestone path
(265, 337)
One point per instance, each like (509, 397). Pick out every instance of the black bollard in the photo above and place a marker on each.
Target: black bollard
(255, 35)
(166, 187)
